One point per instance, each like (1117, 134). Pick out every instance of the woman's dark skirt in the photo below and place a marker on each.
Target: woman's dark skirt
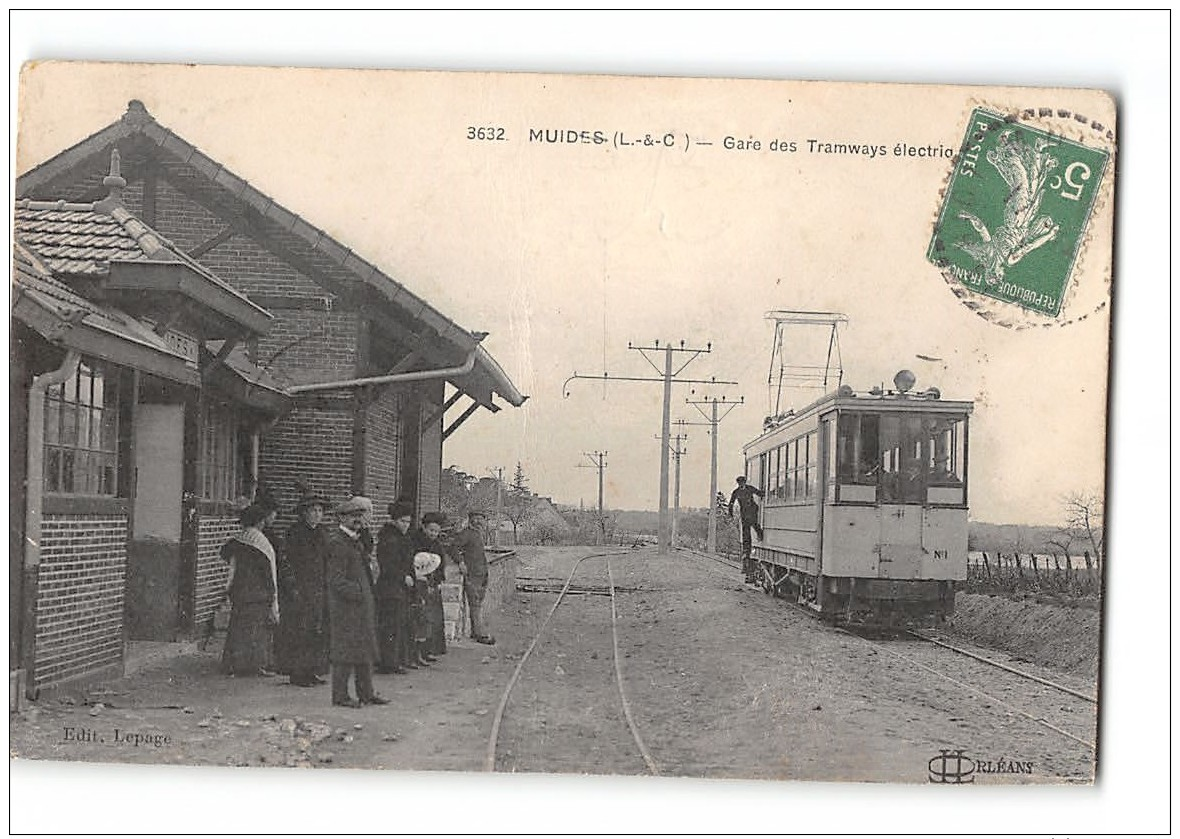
(247, 641)
(394, 633)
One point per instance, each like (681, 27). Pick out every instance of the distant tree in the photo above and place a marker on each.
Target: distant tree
(518, 502)
(454, 494)
(1085, 514)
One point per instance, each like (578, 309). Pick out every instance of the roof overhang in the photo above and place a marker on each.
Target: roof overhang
(80, 331)
(222, 312)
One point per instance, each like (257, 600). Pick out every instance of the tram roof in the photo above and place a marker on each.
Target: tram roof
(885, 402)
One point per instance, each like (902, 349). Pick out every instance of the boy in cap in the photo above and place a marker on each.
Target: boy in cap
(473, 565)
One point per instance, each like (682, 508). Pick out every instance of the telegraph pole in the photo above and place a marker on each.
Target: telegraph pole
(599, 461)
(714, 418)
(676, 450)
(667, 376)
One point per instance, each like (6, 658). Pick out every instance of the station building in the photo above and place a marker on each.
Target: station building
(179, 341)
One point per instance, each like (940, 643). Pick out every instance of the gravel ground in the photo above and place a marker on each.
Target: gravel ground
(723, 681)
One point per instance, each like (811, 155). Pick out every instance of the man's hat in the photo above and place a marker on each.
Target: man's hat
(311, 499)
(401, 509)
(426, 564)
(356, 504)
(741, 479)
(434, 517)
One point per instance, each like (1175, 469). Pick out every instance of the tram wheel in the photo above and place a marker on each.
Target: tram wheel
(766, 577)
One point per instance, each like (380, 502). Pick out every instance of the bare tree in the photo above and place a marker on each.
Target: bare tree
(1085, 515)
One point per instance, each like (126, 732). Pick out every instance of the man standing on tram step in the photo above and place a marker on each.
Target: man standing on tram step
(467, 549)
(352, 627)
(744, 495)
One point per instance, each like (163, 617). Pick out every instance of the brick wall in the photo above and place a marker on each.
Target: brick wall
(212, 533)
(383, 451)
(183, 222)
(307, 346)
(254, 270)
(430, 451)
(312, 445)
(80, 595)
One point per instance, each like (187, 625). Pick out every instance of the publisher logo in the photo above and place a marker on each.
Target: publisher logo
(951, 766)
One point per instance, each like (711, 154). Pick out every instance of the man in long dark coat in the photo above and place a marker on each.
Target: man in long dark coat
(352, 646)
(395, 587)
(302, 643)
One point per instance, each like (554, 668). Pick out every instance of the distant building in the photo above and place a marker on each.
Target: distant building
(225, 343)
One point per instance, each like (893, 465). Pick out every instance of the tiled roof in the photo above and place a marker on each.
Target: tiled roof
(192, 170)
(82, 240)
(74, 239)
(32, 276)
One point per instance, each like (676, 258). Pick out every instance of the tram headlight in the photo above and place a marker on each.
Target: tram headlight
(904, 380)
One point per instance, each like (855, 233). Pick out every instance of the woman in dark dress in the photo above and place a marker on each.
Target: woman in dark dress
(427, 540)
(394, 590)
(253, 595)
(302, 643)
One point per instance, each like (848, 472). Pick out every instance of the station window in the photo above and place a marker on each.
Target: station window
(82, 433)
(222, 462)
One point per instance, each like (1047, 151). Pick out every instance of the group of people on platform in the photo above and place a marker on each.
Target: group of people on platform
(313, 601)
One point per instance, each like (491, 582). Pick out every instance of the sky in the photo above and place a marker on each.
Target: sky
(565, 252)
(766, 245)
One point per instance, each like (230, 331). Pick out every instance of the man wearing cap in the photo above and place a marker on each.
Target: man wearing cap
(302, 643)
(744, 494)
(352, 646)
(467, 548)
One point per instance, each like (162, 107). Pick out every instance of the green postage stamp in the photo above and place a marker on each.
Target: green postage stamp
(1016, 211)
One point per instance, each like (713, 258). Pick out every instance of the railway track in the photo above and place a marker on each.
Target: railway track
(967, 670)
(490, 758)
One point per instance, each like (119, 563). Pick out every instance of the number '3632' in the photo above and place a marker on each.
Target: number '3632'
(488, 132)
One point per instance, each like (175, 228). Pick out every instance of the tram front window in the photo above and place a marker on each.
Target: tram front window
(858, 459)
(911, 458)
(903, 468)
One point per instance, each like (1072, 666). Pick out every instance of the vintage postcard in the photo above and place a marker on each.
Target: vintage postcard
(527, 423)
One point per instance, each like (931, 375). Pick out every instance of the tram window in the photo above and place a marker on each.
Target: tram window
(944, 442)
(809, 460)
(858, 456)
(784, 488)
(903, 465)
(829, 448)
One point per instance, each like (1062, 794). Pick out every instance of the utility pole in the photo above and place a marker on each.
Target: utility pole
(667, 376)
(599, 461)
(676, 451)
(714, 418)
